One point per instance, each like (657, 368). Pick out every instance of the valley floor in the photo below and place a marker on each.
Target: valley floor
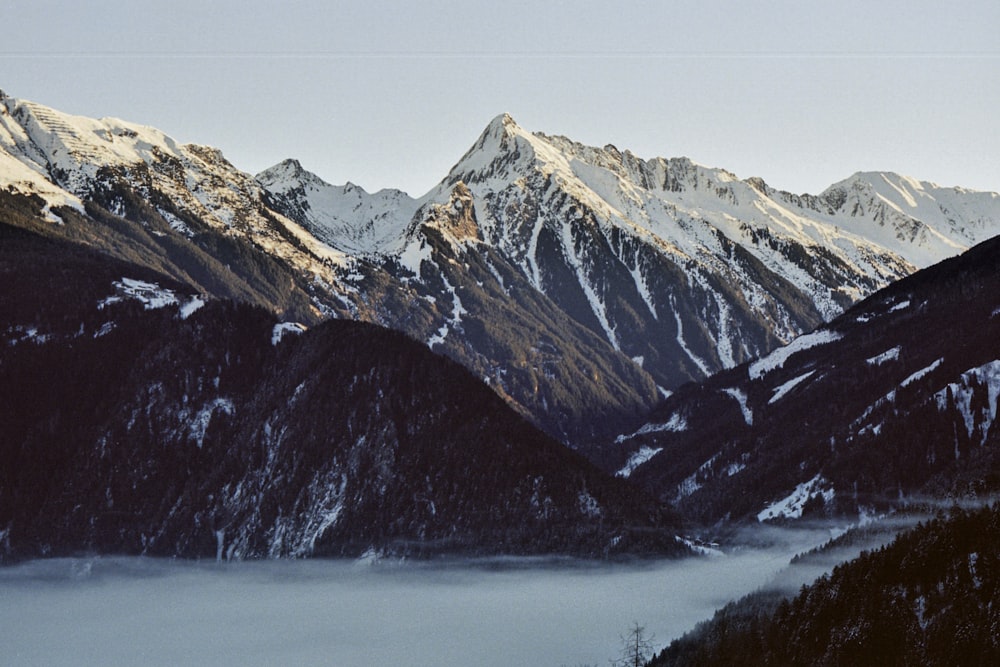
(117, 610)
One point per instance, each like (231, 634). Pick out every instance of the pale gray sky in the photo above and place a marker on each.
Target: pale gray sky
(391, 94)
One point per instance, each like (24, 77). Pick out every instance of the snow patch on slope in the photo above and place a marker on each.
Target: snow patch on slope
(781, 391)
(690, 484)
(199, 421)
(30, 334)
(457, 310)
(702, 366)
(676, 424)
(596, 305)
(791, 506)
(778, 358)
(921, 373)
(416, 252)
(283, 329)
(740, 397)
(637, 459)
(985, 377)
(888, 355)
(151, 295)
(190, 307)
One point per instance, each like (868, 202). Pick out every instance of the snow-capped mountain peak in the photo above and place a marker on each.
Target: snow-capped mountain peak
(611, 223)
(503, 123)
(73, 148)
(346, 217)
(283, 175)
(501, 149)
(674, 204)
(69, 159)
(77, 154)
(922, 220)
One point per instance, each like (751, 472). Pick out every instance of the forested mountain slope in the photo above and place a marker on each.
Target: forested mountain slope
(141, 417)
(929, 598)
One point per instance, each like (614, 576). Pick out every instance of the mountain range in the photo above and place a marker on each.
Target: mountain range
(559, 349)
(583, 284)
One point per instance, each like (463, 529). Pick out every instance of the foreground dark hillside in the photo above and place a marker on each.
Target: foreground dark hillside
(139, 419)
(929, 598)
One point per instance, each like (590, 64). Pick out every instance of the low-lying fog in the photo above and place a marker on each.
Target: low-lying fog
(131, 611)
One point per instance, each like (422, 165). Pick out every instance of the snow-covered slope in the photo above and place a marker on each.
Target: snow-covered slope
(923, 222)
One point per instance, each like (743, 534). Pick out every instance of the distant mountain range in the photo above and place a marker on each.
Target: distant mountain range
(583, 284)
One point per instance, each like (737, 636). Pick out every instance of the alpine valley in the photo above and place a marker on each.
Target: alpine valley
(559, 349)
